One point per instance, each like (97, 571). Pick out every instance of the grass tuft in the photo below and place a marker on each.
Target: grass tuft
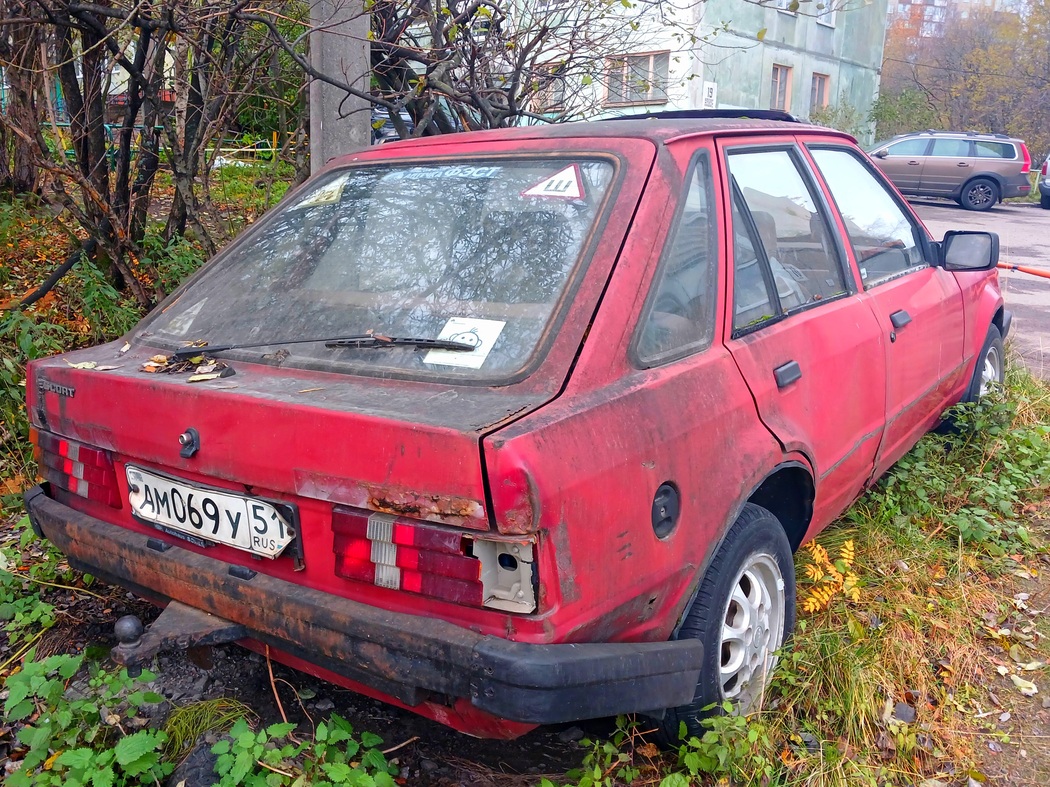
(186, 724)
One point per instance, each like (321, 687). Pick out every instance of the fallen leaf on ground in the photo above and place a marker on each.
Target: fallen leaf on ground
(1026, 687)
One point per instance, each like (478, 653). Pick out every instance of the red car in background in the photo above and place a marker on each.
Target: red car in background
(521, 426)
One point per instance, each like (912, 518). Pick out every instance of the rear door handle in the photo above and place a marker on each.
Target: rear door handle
(787, 373)
(900, 319)
(962, 164)
(913, 163)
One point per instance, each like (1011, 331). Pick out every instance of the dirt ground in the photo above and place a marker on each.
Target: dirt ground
(1023, 759)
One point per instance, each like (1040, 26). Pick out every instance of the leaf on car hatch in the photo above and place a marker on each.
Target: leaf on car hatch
(84, 365)
(1026, 687)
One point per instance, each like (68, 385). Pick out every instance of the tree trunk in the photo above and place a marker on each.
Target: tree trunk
(21, 54)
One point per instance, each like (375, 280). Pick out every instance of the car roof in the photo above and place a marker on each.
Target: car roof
(657, 128)
(955, 134)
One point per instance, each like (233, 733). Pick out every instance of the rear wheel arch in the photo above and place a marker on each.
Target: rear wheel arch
(788, 493)
(998, 179)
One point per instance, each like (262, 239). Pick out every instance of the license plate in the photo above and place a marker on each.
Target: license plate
(206, 516)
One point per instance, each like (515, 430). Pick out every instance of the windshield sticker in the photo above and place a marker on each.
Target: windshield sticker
(567, 184)
(328, 194)
(482, 334)
(428, 173)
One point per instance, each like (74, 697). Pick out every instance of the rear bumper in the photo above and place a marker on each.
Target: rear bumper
(1016, 186)
(408, 658)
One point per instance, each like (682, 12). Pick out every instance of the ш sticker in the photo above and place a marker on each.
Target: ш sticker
(567, 184)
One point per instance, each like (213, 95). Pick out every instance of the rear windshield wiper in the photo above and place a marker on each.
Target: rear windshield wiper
(365, 340)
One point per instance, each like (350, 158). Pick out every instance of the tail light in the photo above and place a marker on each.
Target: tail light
(77, 468)
(442, 563)
(1045, 165)
(1027, 159)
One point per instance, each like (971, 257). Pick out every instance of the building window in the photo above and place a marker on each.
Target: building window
(818, 95)
(826, 13)
(638, 79)
(780, 88)
(786, 6)
(550, 90)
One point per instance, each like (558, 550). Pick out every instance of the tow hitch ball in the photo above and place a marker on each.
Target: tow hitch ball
(179, 627)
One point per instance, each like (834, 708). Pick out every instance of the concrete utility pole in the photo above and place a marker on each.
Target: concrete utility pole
(338, 46)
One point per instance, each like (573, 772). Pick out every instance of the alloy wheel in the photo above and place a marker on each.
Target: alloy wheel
(992, 371)
(752, 630)
(980, 195)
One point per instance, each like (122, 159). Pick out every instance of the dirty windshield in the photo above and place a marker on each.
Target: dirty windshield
(477, 252)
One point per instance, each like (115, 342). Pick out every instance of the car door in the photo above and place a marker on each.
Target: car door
(919, 306)
(949, 164)
(808, 346)
(903, 162)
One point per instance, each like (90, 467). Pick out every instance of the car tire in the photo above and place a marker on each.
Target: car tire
(991, 366)
(1044, 201)
(980, 194)
(743, 612)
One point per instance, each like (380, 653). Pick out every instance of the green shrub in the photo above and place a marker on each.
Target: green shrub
(270, 758)
(80, 734)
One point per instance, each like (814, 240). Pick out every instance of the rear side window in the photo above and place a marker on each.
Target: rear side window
(679, 317)
(885, 240)
(908, 147)
(951, 148)
(994, 150)
(479, 252)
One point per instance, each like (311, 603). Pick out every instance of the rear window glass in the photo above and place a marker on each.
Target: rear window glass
(477, 252)
(994, 150)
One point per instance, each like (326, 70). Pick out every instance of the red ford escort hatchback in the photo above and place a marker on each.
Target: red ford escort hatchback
(522, 426)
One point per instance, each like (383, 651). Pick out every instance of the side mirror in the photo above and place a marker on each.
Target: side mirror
(969, 251)
(881, 153)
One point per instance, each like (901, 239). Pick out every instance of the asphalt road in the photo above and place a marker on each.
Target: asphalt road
(1024, 239)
